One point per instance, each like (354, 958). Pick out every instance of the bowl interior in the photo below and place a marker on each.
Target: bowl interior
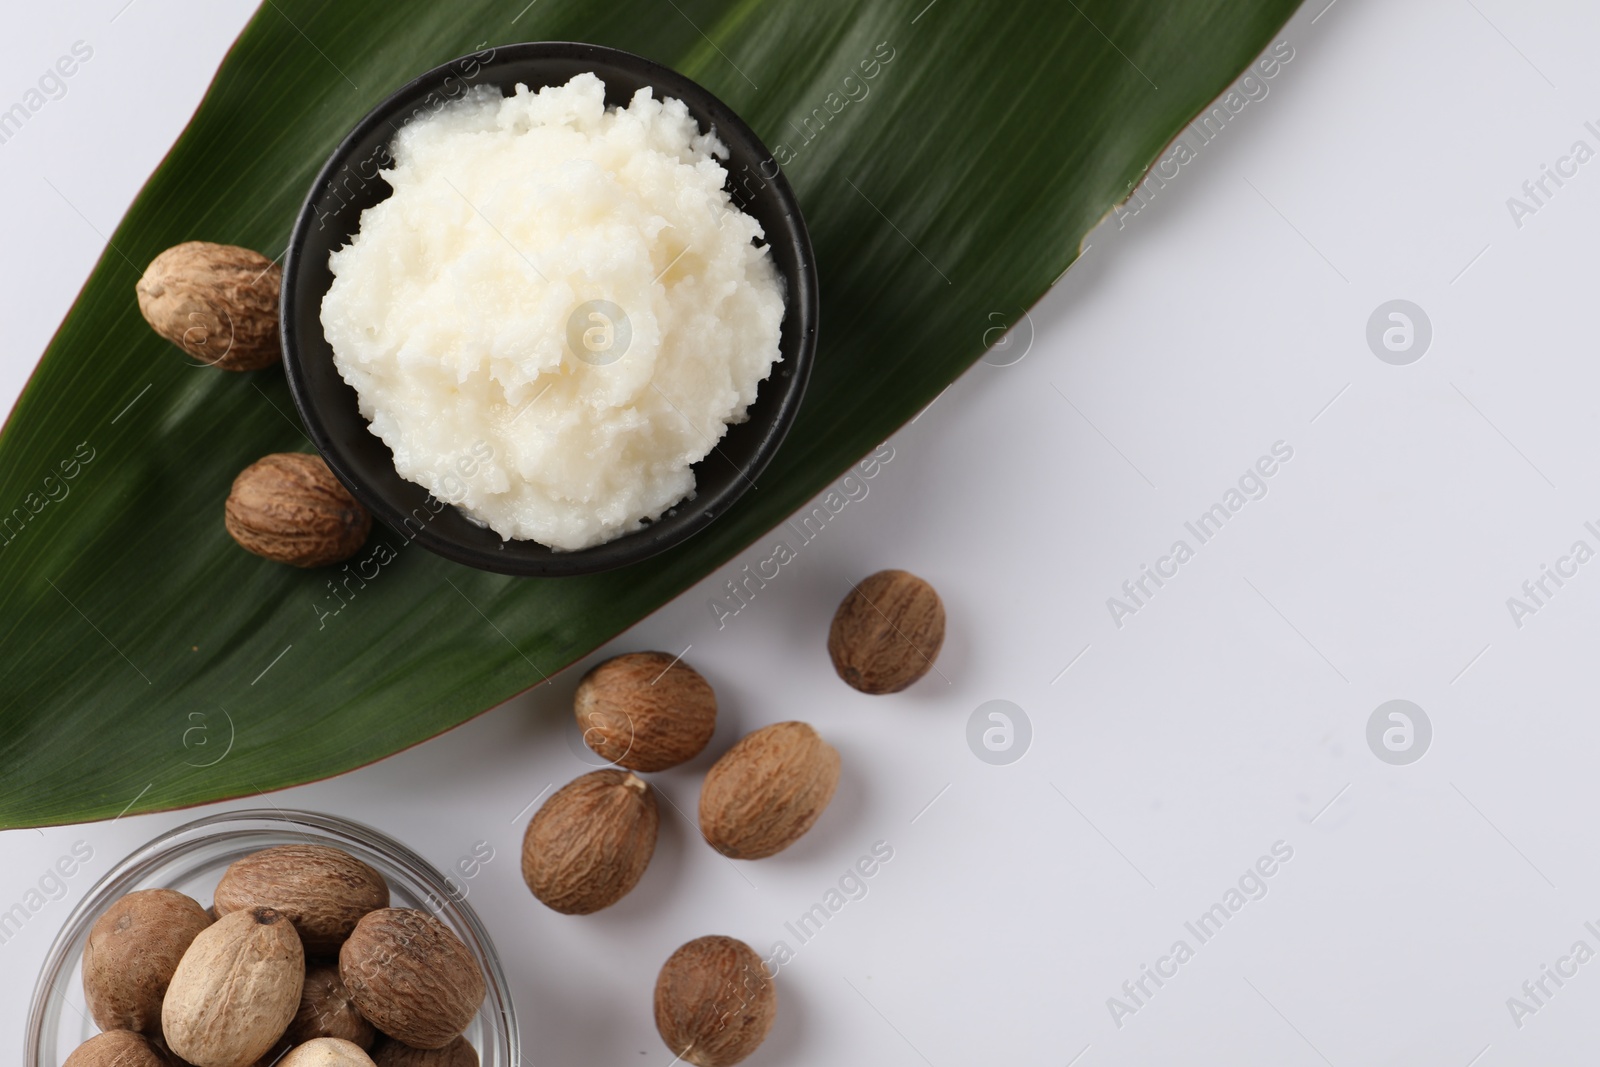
(350, 184)
(191, 859)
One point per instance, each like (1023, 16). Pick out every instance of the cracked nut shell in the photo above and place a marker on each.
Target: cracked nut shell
(323, 891)
(411, 976)
(714, 1001)
(235, 990)
(887, 632)
(767, 790)
(132, 952)
(219, 303)
(289, 508)
(590, 843)
(646, 711)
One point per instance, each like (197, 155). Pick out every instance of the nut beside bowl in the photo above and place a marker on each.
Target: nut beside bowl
(192, 858)
(349, 184)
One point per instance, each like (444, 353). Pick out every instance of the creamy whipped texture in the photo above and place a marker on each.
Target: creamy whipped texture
(557, 311)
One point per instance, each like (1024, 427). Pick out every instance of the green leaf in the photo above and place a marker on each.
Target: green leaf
(991, 138)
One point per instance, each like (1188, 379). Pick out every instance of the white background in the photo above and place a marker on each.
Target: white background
(1228, 714)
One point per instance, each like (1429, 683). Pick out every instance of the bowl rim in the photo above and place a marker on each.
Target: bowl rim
(499, 1008)
(681, 521)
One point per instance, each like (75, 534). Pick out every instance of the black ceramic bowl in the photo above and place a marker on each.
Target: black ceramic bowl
(349, 185)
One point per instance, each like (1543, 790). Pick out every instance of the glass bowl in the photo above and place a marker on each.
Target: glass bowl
(191, 859)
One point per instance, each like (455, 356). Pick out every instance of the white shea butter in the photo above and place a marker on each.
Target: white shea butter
(557, 311)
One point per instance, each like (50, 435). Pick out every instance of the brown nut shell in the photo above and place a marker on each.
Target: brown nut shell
(590, 843)
(326, 1052)
(235, 990)
(327, 1010)
(322, 890)
(289, 508)
(219, 303)
(132, 952)
(392, 1053)
(767, 790)
(887, 632)
(645, 711)
(715, 1001)
(411, 976)
(117, 1048)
